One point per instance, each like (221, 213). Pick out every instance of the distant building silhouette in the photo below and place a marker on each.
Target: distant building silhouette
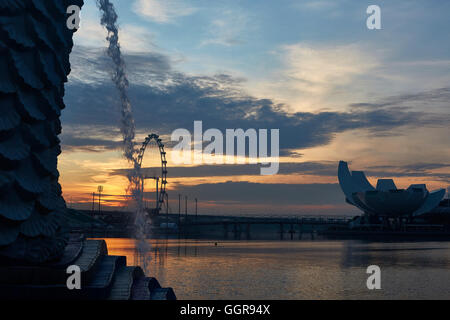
(386, 200)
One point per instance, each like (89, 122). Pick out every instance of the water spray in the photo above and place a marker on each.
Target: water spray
(127, 128)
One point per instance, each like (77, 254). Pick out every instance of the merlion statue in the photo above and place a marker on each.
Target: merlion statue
(35, 253)
(35, 43)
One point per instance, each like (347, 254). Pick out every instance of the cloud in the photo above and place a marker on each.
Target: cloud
(227, 29)
(317, 66)
(265, 193)
(133, 38)
(317, 5)
(71, 144)
(437, 171)
(314, 168)
(162, 11)
(437, 100)
(92, 66)
(90, 33)
(164, 100)
(89, 138)
(180, 105)
(315, 77)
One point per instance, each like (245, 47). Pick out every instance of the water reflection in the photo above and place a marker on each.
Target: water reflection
(199, 269)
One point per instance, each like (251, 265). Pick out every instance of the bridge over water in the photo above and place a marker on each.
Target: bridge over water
(229, 227)
(287, 226)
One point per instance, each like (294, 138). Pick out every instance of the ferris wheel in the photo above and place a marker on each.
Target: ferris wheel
(154, 150)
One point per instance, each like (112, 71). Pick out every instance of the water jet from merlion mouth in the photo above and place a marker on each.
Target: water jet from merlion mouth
(127, 129)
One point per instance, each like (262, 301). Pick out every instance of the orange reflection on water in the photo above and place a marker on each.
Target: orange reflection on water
(205, 269)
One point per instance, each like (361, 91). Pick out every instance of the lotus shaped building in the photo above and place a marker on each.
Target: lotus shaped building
(386, 200)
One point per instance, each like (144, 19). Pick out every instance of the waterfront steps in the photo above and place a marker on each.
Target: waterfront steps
(102, 277)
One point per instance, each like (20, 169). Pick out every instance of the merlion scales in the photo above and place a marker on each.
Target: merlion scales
(35, 44)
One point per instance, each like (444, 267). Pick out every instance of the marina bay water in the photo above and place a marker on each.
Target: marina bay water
(317, 269)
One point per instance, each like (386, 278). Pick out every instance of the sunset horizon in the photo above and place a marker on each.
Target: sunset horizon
(355, 96)
(224, 159)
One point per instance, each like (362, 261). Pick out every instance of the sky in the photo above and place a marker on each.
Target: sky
(378, 99)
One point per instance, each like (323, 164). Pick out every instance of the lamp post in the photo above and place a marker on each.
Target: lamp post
(93, 203)
(100, 190)
(167, 212)
(196, 205)
(157, 194)
(179, 209)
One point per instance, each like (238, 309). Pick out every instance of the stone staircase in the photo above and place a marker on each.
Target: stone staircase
(103, 277)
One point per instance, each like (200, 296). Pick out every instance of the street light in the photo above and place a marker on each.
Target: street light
(196, 203)
(99, 190)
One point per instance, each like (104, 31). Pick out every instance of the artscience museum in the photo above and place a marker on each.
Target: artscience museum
(385, 200)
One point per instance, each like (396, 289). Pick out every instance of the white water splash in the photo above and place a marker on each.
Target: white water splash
(127, 129)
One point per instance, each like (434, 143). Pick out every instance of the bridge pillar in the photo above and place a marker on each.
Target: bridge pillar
(237, 231)
(225, 230)
(247, 232)
(300, 231)
(292, 231)
(281, 231)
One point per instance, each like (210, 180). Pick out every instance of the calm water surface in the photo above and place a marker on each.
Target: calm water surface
(197, 269)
